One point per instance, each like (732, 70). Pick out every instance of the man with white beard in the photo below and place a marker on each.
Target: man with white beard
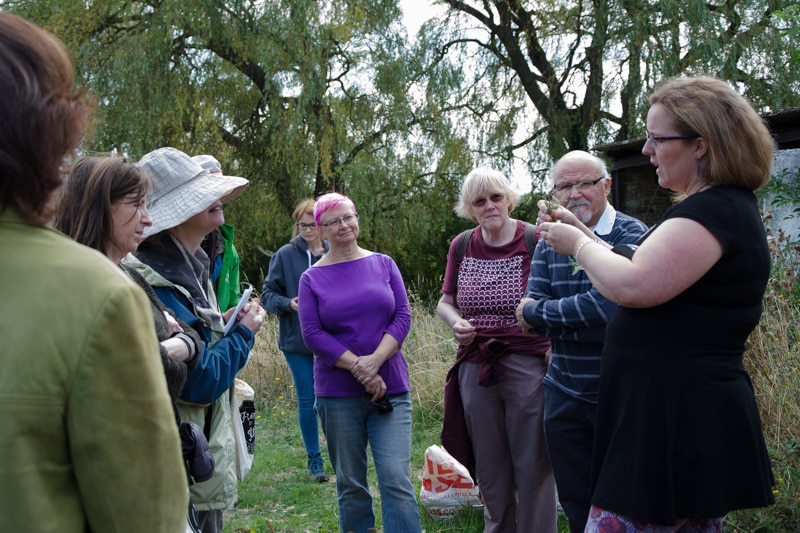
(562, 304)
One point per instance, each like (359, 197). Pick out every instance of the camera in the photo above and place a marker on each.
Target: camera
(383, 406)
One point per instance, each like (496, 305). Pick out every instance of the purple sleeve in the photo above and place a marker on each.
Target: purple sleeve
(352, 306)
(401, 323)
(320, 342)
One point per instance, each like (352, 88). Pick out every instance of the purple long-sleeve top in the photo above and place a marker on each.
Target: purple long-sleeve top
(350, 306)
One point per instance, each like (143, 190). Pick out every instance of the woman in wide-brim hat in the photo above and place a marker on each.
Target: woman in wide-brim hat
(185, 206)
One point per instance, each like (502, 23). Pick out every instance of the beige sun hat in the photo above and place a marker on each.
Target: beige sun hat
(210, 163)
(182, 188)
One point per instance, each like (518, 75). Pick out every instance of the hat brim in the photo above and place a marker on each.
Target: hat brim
(191, 198)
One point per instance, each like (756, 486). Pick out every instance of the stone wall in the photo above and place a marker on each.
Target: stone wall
(782, 216)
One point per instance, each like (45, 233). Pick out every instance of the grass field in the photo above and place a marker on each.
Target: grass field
(278, 497)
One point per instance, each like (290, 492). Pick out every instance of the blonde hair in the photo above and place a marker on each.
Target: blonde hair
(305, 207)
(740, 147)
(480, 180)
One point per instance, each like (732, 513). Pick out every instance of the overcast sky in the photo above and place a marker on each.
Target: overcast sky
(416, 12)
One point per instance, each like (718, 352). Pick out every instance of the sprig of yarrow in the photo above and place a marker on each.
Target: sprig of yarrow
(552, 205)
(573, 262)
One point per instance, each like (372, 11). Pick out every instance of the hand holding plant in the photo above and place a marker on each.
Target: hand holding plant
(547, 207)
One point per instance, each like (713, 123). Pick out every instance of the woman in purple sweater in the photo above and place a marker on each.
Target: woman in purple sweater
(354, 315)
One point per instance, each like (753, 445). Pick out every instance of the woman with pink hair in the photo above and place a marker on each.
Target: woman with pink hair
(355, 316)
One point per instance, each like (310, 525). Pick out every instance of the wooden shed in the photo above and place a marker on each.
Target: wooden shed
(635, 189)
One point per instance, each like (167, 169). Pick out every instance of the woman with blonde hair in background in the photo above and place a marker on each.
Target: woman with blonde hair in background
(279, 296)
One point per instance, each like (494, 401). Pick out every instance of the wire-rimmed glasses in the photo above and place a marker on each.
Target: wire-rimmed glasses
(340, 221)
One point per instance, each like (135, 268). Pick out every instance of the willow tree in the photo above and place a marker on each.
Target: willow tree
(583, 68)
(306, 96)
(300, 96)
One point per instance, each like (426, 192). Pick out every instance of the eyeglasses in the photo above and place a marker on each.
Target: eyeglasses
(340, 221)
(656, 140)
(304, 226)
(569, 187)
(495, 198)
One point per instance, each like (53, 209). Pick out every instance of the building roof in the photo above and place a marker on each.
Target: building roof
(784, 124)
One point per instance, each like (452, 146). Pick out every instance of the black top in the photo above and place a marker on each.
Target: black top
(678, 430)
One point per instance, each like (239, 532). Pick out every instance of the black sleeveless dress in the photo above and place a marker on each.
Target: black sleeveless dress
(678, 429)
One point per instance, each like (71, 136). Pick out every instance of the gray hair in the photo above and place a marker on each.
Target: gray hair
(578, 156)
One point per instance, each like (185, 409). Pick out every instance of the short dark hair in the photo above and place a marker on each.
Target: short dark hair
(42, 117)
(96, 183)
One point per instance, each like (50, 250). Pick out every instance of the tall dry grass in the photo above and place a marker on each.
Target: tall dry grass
(429, 350)
(772, 360)
(267, 371)
(773, 350)
(772, 357)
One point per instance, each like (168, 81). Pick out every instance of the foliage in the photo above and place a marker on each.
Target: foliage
(302, 96)
(580, 70)
(299, 96)
(783, 190)
(791, 15)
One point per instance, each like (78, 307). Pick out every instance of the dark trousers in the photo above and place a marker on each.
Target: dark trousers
(210, 521)
(569, 431)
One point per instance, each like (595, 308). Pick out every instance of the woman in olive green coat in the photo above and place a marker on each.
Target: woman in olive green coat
(88, 440)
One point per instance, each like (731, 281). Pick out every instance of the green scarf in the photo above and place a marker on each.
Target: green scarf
(228, 289)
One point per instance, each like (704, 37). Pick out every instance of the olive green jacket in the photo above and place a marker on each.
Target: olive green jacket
(88, 441)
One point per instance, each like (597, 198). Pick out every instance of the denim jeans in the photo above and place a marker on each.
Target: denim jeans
(302, 368)
(349, 425)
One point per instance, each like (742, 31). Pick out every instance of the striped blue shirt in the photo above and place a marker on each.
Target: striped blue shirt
(570, 311)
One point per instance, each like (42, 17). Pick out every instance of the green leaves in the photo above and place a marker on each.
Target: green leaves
(302, 97)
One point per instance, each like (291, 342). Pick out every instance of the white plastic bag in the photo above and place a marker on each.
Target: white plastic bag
(244, 426)
(446, 484)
